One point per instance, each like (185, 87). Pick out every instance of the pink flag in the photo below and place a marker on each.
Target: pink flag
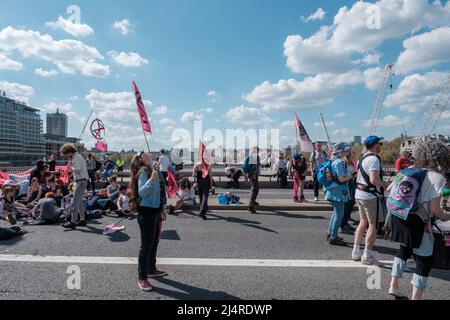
(141, 110)
(305, 142)
(173, 186)
(101, 146)
(205, 157)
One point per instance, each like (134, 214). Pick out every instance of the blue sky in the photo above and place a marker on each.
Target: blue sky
(241, 52)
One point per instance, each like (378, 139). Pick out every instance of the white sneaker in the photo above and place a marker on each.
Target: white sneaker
(316, 199)
(356, 256)
(371, 261)
(395, 292)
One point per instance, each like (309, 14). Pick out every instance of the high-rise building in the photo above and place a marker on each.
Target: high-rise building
(56, 124)
(21, 142)
(357, 139)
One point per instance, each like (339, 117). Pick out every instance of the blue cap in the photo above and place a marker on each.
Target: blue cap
(371, 140)
(297, 157)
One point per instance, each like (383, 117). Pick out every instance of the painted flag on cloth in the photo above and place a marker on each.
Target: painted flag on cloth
(24, 177)
(205, 158)
(305, 142)
(101, 146)
(141, 109)
(172, 188)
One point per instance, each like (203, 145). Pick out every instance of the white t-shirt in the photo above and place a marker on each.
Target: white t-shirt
(432, 187)
(79, 164)
(369, 164)
(164, 163)
(125, 202)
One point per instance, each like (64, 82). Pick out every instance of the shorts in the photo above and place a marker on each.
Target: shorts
(368, 209)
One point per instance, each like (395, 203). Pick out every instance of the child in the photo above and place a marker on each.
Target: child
(9, 208)
(123, 202)
(187, 197)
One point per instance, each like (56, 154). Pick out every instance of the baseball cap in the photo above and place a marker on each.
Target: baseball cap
(371, 140)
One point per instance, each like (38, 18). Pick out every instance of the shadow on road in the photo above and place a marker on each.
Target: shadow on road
(190, 292)
(294, 216)
(170, 235)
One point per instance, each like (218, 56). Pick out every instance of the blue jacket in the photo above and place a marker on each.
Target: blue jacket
(150, 191)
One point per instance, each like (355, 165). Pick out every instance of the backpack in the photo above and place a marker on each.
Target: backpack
(247, 167)
(325, 174)
(403, 198)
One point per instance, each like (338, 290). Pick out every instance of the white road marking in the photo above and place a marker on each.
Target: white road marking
(189, 261)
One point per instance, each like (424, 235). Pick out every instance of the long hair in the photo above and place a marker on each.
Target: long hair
(137, 166)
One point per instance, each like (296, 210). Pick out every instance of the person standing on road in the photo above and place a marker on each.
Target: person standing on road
(252, 169)
(163, 164)
(90, 166)
(204, 185)
(120, 165)
(369, 188)
(280, 170)
(317, 158)
(352, 172)
(77, 166)
(148, 198)
(337, 193)
(403, 162)
(415, 234)
(299, 166)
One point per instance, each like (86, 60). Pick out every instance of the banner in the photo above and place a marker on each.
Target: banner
(305, 142)
(24, 177)
(102, 147)
(205, 157)
(141, 109)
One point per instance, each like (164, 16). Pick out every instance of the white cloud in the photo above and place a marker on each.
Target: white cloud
(207, 110)
(16, 90)
(320, 125)
(370, 58)
(332, 48)
(160, 110)
(124, 26)
(292, 95)
(73, 116)
(213, 95)
(52, 107)
(9, 64)
(191, 117)
(340, 115)
(113, 100)
(167, 122)
(45, 73)
(373, 77)
(425, 50)
(70, 56)
(247, 116)
(389, 121)
(318, 15)
(128, 59)
(74, 98)
(287, 124)
(414, 91)
(75, 29)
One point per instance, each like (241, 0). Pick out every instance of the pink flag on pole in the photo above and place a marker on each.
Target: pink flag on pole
(172, 188)
(101, 146)
(205, 157)
(305, 142)
(141, 109)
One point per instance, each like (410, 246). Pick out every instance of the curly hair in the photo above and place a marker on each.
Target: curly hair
(432, 154)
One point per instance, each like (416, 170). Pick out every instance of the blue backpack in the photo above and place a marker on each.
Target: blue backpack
(325, 174)
(403, 198)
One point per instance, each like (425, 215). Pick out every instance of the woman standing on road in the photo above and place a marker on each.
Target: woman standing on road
(148, 198)
(204, 184)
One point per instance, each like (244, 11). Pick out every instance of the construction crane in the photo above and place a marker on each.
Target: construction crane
(436, 107)
(381, 95)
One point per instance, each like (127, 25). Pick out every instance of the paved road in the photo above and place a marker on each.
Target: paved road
(293, 261)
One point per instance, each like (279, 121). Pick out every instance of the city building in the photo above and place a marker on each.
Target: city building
(357, 140)
(21, 126)
(56, 124)
(53, 144)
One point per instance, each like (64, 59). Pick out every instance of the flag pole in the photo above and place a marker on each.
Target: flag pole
(146, 140)
(85, 125)
(326, 131)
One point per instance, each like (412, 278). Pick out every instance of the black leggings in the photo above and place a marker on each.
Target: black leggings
(149, 220)
(423, 264)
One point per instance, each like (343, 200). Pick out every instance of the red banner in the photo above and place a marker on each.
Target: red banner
(172, 188)
(205, 157)
(141, 109)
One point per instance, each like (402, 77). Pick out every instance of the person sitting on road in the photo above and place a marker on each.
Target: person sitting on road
(35, 193)
(123, 202)
(234, 173)
(113, 189)
(186, 197)
(46, 209)
(10, 210)
(108, 166)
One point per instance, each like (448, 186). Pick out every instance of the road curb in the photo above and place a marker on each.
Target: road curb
(269, 208)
